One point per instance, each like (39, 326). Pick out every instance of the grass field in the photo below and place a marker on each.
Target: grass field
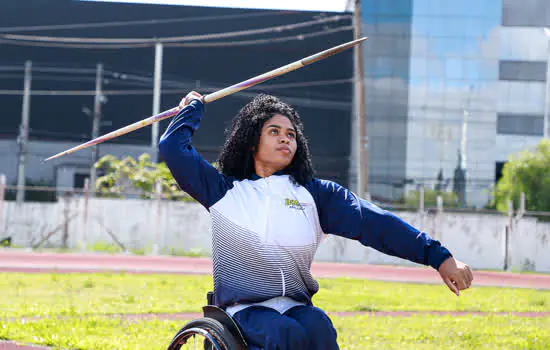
(86, 300)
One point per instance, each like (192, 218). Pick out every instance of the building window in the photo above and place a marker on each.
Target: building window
(79, 180)
(530, 13)
(499, 166)
(519, 124)
(522, 71)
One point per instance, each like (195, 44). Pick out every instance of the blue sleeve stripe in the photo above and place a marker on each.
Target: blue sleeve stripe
(189, 117)
(342, 213)
(193, 173)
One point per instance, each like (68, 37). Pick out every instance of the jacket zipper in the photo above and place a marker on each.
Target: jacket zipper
(267, 228)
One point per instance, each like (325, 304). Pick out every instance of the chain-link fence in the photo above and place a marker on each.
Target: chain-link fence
(79, 221)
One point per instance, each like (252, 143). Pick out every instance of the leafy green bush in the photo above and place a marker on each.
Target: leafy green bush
(139, 176)
(450, 200)
(527, 172)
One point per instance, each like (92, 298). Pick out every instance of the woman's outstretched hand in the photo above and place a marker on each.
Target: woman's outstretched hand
(190, 97)
(456, 275)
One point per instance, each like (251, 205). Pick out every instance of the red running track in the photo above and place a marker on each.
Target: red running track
(21, 261)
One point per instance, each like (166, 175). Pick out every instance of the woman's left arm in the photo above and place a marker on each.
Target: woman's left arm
(344, 214)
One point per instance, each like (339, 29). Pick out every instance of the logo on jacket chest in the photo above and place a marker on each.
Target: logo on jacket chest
(293, 204)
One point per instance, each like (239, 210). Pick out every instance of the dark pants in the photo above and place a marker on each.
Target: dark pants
(302, 327)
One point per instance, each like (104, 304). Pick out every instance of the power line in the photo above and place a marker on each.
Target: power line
(47, 69)
(263, 41)
(302, 101)
(137, 22)
(136, 80)
(12, 68)
(63, 70)
(169, 91)
(211, 44)
(73, 40)
(49, 77)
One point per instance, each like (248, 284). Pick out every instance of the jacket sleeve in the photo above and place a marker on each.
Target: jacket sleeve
(193, 173)
(342, 213)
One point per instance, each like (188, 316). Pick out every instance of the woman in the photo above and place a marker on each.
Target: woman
(269, 214)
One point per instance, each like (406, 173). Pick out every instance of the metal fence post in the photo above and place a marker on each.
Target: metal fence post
(2, 195)
(439, 217)
(421, 207)
(84, 235)
(508, 235)
(421, 199)
(521, 210)
(156, 221)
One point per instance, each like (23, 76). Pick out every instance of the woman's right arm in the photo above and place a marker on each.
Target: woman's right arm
(193, 173)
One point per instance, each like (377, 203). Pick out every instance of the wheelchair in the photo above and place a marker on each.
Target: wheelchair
(215, 331)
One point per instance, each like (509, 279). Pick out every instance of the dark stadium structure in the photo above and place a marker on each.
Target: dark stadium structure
(322, 93)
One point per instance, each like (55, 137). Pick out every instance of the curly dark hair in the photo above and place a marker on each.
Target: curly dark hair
(242, 138)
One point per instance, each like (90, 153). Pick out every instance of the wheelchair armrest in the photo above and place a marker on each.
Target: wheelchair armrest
(224, 318)
(210, 298)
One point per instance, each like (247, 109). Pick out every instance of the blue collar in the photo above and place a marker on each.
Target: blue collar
(255, 176)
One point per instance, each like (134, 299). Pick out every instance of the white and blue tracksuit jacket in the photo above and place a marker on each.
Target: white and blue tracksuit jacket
(266, 230)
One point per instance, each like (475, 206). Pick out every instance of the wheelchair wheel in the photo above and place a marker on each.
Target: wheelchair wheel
(204, 333)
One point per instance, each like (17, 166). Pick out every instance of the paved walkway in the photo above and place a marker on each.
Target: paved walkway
(21, 261)
(10, 345)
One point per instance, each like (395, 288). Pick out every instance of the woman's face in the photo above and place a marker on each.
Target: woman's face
(277, 145)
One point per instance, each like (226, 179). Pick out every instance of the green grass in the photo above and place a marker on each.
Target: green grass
(94, 294)
(347, 294)
(93, 333)
(85, 301)
(360, 332)
(88, 294)
(443, 332)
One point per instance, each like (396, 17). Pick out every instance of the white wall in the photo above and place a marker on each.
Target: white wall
(477, 239)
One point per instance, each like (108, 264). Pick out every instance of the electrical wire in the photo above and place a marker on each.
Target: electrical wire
(170, 91)
(73, 40)
(138, 22)
(263, 41)
(12, 68)
(49, 77)
(302, 101)
(298, 37)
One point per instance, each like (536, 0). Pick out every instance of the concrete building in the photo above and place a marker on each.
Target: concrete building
(433, 67)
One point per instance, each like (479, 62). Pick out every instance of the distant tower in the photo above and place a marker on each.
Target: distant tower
(459, 181)
(439, 181)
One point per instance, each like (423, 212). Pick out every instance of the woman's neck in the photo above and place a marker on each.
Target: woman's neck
(265, 170)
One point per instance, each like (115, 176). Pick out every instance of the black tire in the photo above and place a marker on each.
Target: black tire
(222, 339)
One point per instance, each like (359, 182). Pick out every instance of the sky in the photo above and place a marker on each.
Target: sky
(299, 5)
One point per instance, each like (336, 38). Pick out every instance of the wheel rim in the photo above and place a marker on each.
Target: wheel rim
(195, 338)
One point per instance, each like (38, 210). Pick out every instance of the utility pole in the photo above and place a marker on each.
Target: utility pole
(360, 108)
(545, 131)
(23, 138)
(156, 100)
(98, 100)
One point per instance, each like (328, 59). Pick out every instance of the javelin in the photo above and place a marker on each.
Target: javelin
(215, 96)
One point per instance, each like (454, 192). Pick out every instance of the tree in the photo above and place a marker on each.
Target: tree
(130, 176)
(527, 172)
